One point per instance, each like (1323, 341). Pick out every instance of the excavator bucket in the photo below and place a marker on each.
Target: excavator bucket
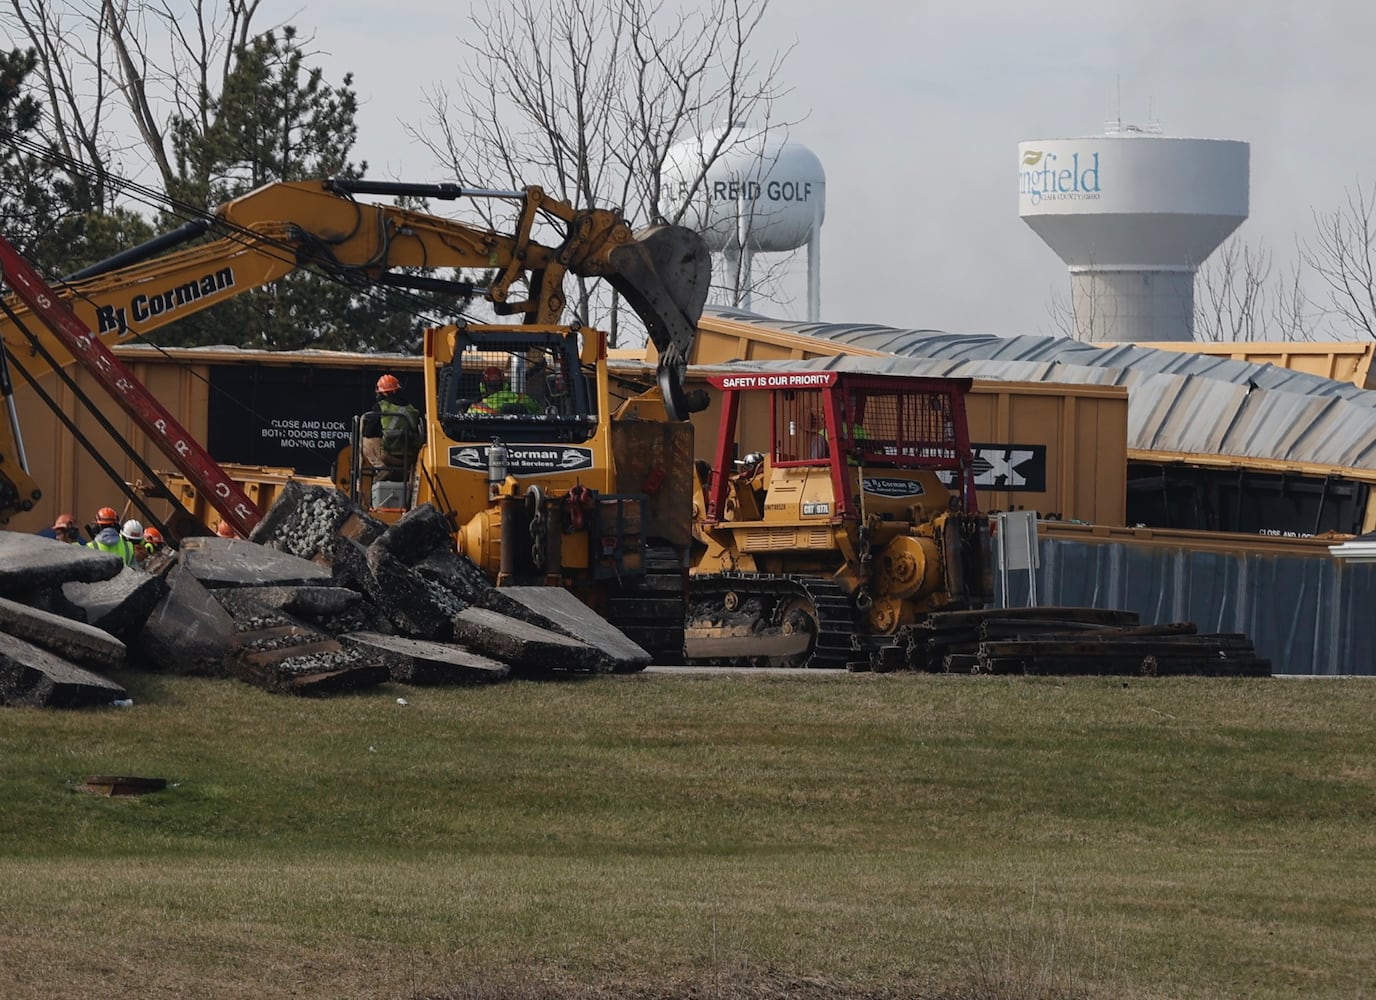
(665, 275)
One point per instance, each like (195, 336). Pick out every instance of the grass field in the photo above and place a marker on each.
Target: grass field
(698, 836)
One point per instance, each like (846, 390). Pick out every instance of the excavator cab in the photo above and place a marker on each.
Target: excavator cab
(521, 387)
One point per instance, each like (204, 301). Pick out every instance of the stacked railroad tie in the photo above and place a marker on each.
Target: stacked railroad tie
(1064, 641)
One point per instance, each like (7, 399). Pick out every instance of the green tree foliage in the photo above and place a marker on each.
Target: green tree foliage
(51, 213)
(277, 119)
(28, 202)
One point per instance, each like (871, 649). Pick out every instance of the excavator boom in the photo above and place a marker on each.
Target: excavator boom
(662, 272)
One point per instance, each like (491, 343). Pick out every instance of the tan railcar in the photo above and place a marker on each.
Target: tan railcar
(1344, 361)
(74, 482)
(1060, 450)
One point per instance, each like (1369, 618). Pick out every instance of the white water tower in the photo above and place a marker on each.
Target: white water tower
(756, 195)
(1133, 214)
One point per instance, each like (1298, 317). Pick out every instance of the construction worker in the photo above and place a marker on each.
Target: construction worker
(392, 434)
(108, 537)
(225, 530)
(106, 517)
(65, 529)
(133, 533)
(153, 541)
(498, 397)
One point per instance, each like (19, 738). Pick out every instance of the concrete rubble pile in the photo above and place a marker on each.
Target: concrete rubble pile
(321, 598)
(46, 657)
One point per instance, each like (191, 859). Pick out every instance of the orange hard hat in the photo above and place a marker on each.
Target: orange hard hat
(107, 515)
(152, 535)
(493, 374)
(64, 521)
(388, 383)
(225, 530)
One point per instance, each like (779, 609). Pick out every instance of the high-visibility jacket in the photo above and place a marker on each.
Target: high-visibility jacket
(400, 424)
(121, 547)
(493, 402)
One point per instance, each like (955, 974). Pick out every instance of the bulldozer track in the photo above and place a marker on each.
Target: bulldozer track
(763, 602)
(651, 610)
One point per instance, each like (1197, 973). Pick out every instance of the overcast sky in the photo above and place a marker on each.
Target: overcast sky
(915, 110)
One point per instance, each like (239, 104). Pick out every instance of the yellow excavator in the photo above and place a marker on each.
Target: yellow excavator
(584, 487)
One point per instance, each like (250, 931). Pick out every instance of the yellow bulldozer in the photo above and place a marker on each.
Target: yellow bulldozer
(859, 519)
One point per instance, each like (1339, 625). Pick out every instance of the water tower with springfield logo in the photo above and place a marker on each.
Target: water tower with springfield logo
(1133, 214)
(748, 193)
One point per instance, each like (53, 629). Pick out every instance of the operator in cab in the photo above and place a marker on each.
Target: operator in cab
(391, 437)
(498, 397)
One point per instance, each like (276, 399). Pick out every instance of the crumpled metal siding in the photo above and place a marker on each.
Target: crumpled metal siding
(1314, 615)
(914, 343)
(1062, 351)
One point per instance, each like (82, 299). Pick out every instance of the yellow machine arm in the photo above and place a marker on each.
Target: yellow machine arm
(663, 272)
(276, 229)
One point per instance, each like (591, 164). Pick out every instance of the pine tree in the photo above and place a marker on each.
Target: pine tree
(278, 120)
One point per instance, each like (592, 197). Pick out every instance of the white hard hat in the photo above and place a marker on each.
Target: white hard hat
(132, 530)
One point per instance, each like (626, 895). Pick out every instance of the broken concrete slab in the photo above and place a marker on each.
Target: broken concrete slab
(415, 608)
(416, 534)
(35, 677)
(188, 632)
(567, 614)
(333, 609)
(460, 576)
(33, 562)
(74, 641)
(347, 560)
(529, 649)
(416, 661)
(278, 653)
(236, 562)
(119, 605)
(53, 601)
(302, 520)
(311, 672)
(309, 601)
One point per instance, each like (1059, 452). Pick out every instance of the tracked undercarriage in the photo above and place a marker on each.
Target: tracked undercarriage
(650, 609)
(762, 620)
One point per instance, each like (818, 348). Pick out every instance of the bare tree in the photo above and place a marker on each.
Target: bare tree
(1343, 257)
(589, 97)
(1229, 293)
(1238, 299)
(120, 75)
(1078, 313)
(69, 43)
(1292, 311)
